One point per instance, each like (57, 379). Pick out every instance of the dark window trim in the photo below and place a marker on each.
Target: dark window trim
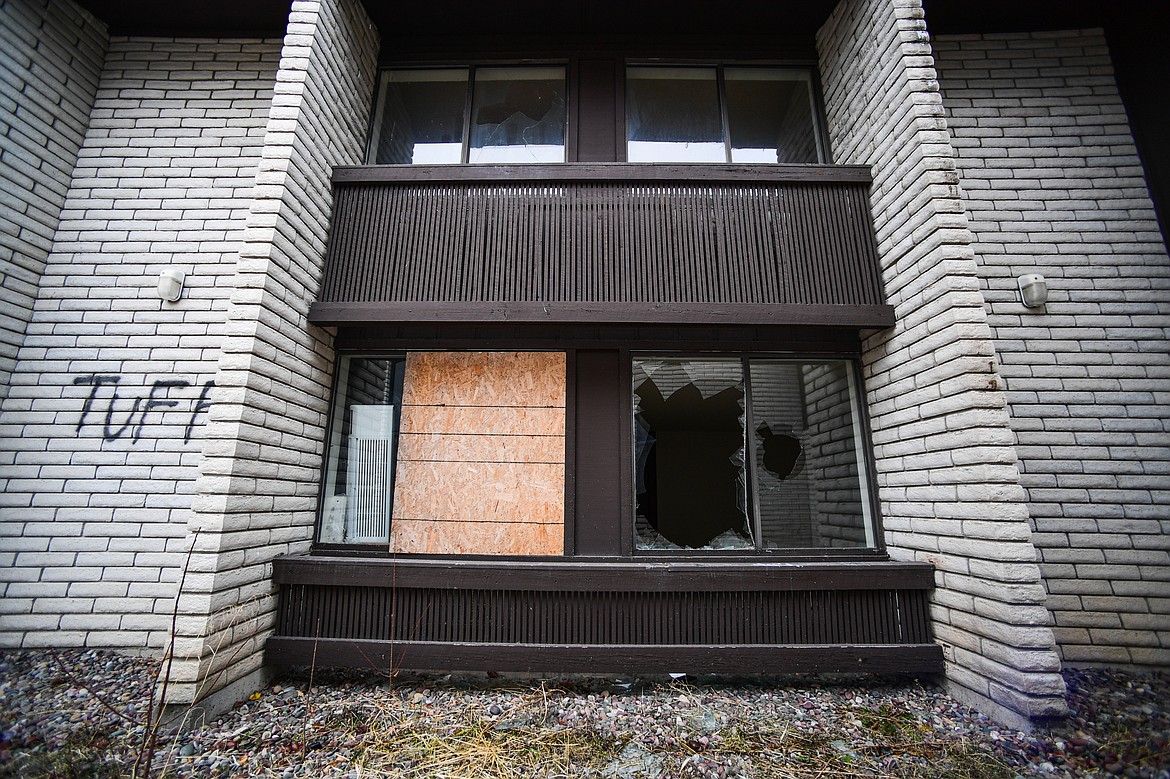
(752, 53)
(837, 342)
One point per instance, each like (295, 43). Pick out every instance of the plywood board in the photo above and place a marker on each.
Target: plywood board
(481, 454)
(435, 447)
(505, 538)
(493, 492)
(483, 420)
(505, 379)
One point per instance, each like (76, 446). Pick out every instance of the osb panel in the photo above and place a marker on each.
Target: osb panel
(482, 420)
(481, 448)
(485, 379)
(481, 454)
(505, 538)
(489, 492)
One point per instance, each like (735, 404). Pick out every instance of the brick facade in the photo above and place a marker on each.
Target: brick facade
(260, 474)
(52, 59)
(947, 470)
(1053, 185)
(112, 385)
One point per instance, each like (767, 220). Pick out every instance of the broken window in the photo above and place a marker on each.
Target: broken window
(742, 454)
(441, 116)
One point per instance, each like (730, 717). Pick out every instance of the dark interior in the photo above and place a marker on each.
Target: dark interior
(686, 462)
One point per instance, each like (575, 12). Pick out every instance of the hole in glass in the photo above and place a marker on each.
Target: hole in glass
(804, 484)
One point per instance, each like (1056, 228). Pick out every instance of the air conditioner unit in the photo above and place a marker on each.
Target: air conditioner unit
(368, 497)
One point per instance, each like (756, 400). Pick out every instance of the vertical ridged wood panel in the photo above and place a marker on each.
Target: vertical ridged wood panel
(604, 618)
(775, 242)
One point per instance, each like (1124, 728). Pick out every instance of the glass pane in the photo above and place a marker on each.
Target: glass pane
(359, 477)
(689, 469)
(672, 115)
(420, 117)
(806, 445)
(518, 115)
(770, 115)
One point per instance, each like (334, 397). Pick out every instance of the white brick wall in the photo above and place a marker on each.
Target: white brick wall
(1053, 185)
(50, 61)
(946, 464)
(260, 474)
(100, 432)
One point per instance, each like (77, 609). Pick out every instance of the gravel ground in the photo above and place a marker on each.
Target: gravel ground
(355, 726)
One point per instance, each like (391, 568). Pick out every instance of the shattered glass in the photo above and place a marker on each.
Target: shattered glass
(794, 478)
(518, 115)
(689, 455)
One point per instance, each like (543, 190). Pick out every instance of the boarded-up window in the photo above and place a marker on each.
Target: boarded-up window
(448, 453)
(481, 454)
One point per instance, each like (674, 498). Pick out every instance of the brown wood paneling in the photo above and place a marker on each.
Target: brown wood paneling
(482, 448)
(603, 242)
(612, 574)
(338, 313)
(496, 379)
(477, 420)
(816, 617)
(557, 614)
(603, 171)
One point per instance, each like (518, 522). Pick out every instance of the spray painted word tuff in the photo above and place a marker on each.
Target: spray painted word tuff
(135, 419)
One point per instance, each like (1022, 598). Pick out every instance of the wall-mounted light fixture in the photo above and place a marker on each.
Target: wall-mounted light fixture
(1033, 290)
(170, 284)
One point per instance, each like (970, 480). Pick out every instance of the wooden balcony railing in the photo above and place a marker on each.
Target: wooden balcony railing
(614, 242)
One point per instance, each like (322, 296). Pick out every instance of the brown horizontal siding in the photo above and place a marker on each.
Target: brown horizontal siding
(563, 574)
(387, 656)
(553, 312)
(589, 243)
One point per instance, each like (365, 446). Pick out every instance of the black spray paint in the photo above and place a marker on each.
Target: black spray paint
(140, 413)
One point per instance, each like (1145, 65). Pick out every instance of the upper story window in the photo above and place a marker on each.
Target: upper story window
(720, 114)
(474, 114)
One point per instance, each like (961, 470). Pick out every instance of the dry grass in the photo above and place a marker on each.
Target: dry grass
(478, 749)
(83, 755)
(890, 747)
(396, 739)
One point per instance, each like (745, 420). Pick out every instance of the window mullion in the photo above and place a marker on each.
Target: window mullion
(721, 89)
(749, 458)
(465, 152)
